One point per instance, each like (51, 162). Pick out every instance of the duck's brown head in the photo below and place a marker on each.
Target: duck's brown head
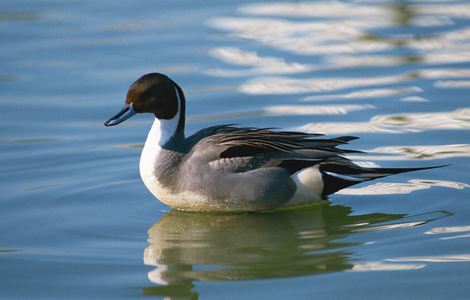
(152, 93)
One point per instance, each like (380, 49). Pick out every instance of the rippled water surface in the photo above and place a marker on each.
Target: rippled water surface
(77, 222)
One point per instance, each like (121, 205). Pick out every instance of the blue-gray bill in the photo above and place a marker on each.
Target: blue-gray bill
(126, 112)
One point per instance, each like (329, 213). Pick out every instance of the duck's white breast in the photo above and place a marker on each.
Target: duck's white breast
(148, 159)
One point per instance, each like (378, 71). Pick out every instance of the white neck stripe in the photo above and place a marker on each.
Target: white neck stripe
(163, 130)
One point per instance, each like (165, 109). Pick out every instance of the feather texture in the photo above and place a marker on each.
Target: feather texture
(245, 149)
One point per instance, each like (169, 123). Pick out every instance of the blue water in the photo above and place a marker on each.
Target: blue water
(77, 222)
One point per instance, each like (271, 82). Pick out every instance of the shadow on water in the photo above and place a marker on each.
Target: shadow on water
(186, 247)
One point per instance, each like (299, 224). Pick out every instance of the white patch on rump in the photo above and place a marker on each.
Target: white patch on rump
(309, 184)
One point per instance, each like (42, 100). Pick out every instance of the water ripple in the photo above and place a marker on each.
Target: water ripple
(434, 259)
(425, 152)
(365, 94)
(285, 85)
(381, 266)
(395, 188)
(450, 232)
(396, 123)
(259, 64)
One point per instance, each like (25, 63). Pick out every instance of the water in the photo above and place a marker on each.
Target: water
(76, 221)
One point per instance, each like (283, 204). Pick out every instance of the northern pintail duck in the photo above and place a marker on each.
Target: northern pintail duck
(225, 168)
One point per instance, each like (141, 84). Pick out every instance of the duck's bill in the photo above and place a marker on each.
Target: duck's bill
(126, 112)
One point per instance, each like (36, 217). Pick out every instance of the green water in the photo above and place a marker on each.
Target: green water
(77, 222)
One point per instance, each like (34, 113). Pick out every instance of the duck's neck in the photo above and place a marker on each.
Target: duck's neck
(165, 134)
(180, 115)
(169, 133)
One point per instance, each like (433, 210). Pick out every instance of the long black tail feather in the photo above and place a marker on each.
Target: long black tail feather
(337, 177)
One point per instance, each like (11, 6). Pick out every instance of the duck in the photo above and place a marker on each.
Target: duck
(226, 168)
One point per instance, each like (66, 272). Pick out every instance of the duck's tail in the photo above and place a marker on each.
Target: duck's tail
(339, 176)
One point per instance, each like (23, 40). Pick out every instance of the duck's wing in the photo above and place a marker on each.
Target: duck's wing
(248, 140)
(206, 132)
(232, 150)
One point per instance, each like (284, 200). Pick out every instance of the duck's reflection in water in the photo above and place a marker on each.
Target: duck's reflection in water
(188, 247)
